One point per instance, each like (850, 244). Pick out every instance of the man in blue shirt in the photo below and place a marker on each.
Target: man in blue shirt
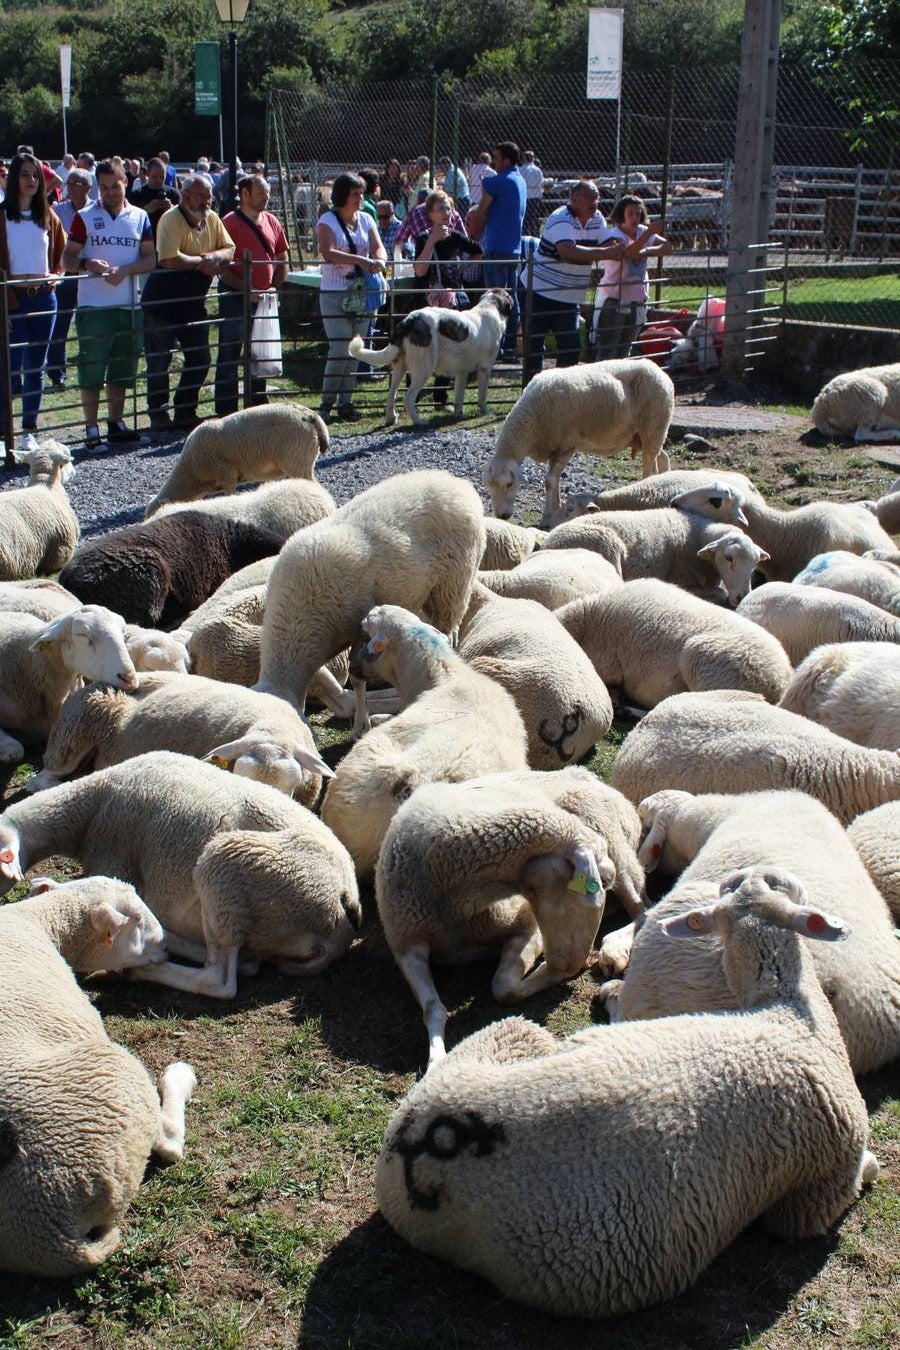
(500, 214)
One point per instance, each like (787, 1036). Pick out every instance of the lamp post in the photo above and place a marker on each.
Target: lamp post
(232, 13)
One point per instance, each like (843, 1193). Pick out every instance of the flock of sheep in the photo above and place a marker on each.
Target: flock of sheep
(762, 776)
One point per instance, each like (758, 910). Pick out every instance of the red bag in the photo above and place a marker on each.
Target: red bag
(656, 341)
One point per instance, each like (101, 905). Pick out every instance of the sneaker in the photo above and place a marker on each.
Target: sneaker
(347, 413)
(28, 441)
(57, 382)
(120, 434)
(92, 438)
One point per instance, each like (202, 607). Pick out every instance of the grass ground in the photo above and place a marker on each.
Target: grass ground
(267, 1236)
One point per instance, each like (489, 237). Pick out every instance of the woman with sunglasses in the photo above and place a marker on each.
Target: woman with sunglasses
(31, 248)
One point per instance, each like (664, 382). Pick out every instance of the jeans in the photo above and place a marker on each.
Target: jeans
(229, 368)
(339, 379)
(502, 275)
(30, 330)
(164, 325)
(617, 327)
(66, 303)
(559, 318)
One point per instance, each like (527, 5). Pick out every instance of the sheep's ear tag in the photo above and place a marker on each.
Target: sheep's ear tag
(582, 884)
(7, 855)
(220, 762)
(107, 938)
(656, 850)
(696, 922)
(376, 646)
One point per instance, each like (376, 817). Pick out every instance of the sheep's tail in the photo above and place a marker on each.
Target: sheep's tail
(360, 352)
(322, 436)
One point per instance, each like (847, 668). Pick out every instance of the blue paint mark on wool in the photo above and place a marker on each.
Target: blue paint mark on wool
(820, 563)
(430, 636)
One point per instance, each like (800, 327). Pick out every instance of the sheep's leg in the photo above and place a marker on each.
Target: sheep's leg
(615, 951)
(217, 979)
(176, 945)
(361, 723)
(519, 954)
(876, 434)
(11, 750)
(417, 973)
(608, 995)
(551, 488)
(176, 1087)
(810, 1211)
(390, 413)
(39, 782)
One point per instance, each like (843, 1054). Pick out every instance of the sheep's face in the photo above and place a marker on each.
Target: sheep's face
(566, 890)
(265, 759)
(501, 478)
(716, 501)
(735, 558)
(128, 933)
(576, 504)
(92, 643)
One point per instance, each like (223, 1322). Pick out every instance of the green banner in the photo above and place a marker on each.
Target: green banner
(207, 91)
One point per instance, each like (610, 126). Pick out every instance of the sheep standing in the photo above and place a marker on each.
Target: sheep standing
(603, 1173)
(466, 868)
(413, 540)
(792, 831)
(255, 445)
(455, 724)
(230, 867)
(598, 409)
(38, 528)
(80, 1115)
(725, 741)
(805, 617)
(864, 404)
(876, 837)
(853, 688)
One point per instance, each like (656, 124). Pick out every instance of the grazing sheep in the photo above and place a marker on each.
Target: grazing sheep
(456, 724)
(255, 445)
(506, 544)
(230, 867)
(732, 742)
(162, 569)
(718, 494)
(876, 837)
(868, 577)
(788, 830)
(805, 617)
(81, 1116)
(45, 461)
(598, 409)
(602, 1173)
(554, 577)
(466, 868)
(693, 644)
(682, 547)
(42, 663)
(282, 507)
(413, 540)
(864, 404)
(520, 644)
(38, 528)
(256, 735)
(852, 688)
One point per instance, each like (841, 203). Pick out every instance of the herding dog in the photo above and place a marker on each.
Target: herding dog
(434, 341)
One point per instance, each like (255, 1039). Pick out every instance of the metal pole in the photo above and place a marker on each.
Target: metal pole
(248, 325)
(666, 172)
(65, 135)
(6, 381)
(232, 166)
(434, 131)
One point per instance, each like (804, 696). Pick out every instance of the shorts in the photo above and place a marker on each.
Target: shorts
(109, 344)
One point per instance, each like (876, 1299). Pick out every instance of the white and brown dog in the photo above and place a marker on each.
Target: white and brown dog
(434, 341)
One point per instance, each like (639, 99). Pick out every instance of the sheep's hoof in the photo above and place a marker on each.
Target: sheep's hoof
(11, 752)
(41, 781)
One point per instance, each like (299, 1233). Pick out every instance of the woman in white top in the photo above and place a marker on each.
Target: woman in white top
(349, 245)
(620, 306)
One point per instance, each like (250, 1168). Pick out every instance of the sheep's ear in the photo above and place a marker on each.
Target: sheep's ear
(313, 761)
(586, 879)
(56, 631)
(224, 756)
(651, 848)
(708, 552)
(737, 513)
(107, 921)
(40, 885)
(814, 923)
(592, 509)
(695, 923)
(763, 556)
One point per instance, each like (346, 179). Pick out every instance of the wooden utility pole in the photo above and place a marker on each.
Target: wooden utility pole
(752, 189)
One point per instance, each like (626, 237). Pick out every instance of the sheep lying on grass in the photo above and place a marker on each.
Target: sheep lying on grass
(603, 1173)
(597, 409)
(791, 539)
(725, 741)
(467, 868)
(80, 1115)
(161, 570)
(876, 837)
(868, 577)
(281, 508)
(252, 446)
(864, 404)
(38, 528)
(520, 644)
(805, 617)
(455, 724)
(789, 830)
(853, 688)
(46, 462)
(714, 493)
(554, 577)
(230, 867)
(256, 735)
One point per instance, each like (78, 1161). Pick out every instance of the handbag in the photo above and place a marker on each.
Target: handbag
(355, 298)
(441, 297)
(375, 284)
(265, 338)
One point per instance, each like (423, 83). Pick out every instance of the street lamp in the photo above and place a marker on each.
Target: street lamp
(232, 12)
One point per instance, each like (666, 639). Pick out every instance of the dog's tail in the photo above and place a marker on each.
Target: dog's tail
(360, 352)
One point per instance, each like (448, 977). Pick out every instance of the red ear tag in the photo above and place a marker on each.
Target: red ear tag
(377, 645)
(7, 856)
(815, 923)
(655, 850)
(696, 922)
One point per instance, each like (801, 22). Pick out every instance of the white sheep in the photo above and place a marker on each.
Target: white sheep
(805, 617)
(717, 493)
(38, 528)
(456, 724)
(598, 409)
(791, 539)
(230, 867)
(45, 461)
(726, 741)
(713, 560)
(467, 868)
(853, 688)
(876, 837)
(507, 544)
(42, 663)
(650, 639)
(563, 701)
(256, 735)
(869, 577)
(602, 1173)
(413, 540)
(887, 509)
(864, 404)
(81, 1116)
(282, 507)
(554, 577)
(254, 445)
(761, 829)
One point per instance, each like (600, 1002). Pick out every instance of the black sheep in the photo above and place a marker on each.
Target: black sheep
(157, 572)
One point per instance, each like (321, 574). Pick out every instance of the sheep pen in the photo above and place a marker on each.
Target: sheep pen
(268, 1233)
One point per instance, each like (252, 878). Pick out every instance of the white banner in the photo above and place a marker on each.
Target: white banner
(65, 73)
(604, 64)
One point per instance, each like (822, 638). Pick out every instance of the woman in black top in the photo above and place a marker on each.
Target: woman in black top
(437, 267)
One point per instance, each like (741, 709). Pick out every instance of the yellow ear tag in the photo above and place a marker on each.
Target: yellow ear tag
(582, 884)
(108, 938)
(220, 763)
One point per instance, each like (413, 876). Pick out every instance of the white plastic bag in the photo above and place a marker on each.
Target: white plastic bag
(265, 338)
